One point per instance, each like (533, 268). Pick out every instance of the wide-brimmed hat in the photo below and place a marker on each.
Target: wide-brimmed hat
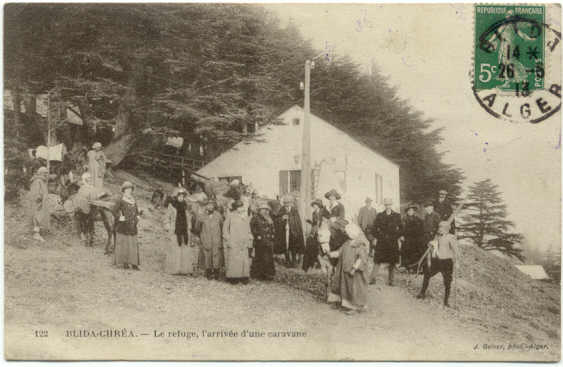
(127, 185)
(387, 201)
(443, 192)
(236, 204)
(317, 202)
(412, 206)
(96, 145)
(234, 182)
(334, 193)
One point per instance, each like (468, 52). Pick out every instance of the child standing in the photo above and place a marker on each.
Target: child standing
(443, 257)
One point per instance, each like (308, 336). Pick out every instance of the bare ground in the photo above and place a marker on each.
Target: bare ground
(60, 285)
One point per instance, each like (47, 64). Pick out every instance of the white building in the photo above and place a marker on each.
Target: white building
(272, 163)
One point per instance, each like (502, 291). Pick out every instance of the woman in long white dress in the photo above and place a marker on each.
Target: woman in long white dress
(181, 255)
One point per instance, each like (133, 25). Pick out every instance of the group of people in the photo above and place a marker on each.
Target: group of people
(242, 238)
(235, 238)
(413, 243)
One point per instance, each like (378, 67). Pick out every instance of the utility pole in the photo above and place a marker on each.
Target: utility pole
(306, 153)
(49, 118)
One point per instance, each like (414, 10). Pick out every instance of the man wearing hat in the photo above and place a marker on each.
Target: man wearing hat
(413, 246)
(290, 233)
(443, 207)
(37, 200)
(388, 229)
(366, 218)
(335, 209)
(97, 165)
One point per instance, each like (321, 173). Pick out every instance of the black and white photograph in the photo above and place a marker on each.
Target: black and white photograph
(282, 181)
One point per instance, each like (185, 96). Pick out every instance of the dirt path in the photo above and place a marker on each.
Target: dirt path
(61, 285)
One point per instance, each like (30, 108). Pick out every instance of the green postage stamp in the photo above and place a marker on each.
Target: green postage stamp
(513, 45)
(509, 51)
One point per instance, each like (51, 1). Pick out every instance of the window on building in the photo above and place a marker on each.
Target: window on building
(296, 121)
(290, 181)
(378, 188)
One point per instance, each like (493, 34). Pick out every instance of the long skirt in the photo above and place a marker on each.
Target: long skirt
(263, 264)
(181, 259)
(237, 261)
(311, 253)
(126, 249)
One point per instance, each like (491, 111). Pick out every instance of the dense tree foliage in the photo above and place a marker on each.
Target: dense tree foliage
(485, 220)
(206, 72)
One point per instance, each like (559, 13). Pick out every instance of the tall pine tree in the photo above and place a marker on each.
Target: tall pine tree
(485, 220)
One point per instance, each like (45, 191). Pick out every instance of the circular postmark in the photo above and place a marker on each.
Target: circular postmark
(517, 63)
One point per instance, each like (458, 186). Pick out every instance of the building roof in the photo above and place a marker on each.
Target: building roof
(536, 272)
(296, 106)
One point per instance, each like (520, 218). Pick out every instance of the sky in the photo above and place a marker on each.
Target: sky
(427, 50)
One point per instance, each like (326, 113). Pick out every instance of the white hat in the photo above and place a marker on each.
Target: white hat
(97, 145)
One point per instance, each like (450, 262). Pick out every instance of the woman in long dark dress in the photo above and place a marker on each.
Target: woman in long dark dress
(126, 214)
(262, 227)
(413, 246)
(312, 244)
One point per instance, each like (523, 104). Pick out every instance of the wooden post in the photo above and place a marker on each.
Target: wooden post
(306, 154)
(49, 118)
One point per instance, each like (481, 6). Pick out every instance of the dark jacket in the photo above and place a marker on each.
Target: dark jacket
(296, 240)
(263, 232)
(431, 222)
(130, 212)
(413, 246)
(181, 225)
(336, 212)
(387, 230)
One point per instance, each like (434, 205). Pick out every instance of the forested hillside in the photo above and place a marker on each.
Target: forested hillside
(209, 72)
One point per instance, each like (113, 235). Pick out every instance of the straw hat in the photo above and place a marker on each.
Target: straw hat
(96, 145)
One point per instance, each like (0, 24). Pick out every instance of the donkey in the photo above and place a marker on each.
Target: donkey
(97, 213)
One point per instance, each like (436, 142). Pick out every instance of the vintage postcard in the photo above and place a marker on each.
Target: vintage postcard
(289, 182)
